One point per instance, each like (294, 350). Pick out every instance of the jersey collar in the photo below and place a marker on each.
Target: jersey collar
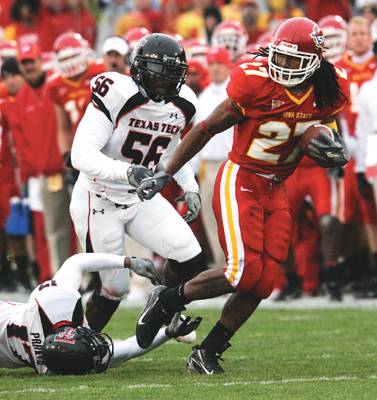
(299, 99)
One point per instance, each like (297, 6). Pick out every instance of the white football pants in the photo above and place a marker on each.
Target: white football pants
(100, 226)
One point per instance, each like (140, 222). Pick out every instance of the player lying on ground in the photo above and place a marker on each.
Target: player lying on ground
(271, 105)
(50, 332)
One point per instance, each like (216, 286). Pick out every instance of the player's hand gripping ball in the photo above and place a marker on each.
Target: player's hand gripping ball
(325, 146)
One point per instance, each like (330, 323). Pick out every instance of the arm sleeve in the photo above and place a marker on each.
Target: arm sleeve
(126, 349)
(364, 128)
(185, 176)
(70, 274)
(92, 134)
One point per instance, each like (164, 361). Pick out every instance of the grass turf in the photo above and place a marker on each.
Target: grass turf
(278, 354)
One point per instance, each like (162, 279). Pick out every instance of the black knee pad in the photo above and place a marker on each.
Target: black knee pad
(190, 268)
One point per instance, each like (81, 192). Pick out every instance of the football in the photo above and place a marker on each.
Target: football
(314, 131)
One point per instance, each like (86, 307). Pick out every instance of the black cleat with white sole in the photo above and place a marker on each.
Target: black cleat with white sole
(202, 361)
(152, 318)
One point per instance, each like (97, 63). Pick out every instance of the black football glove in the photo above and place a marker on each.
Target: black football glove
(182, 326)
(194, 205)
(328, 152)
(149, 187)
(136, 173)
(364, 186)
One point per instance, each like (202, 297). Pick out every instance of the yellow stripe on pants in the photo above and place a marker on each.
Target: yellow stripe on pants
(232, 231)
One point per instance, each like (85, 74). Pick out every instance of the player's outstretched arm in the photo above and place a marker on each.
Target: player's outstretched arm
(70, 274)
(225, 115)
(126, 349)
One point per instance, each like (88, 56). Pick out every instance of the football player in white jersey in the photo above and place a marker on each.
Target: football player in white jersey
(132, 124)
(50, 333)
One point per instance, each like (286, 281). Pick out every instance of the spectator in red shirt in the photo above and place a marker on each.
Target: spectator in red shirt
(80, 20)
(142, 16)
(317, 9)
(5, 12)
(250, 13)
(26, 21)
(10, 239)
(37, 128)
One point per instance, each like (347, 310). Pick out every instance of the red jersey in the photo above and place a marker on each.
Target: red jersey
(72, 95)
(357, 74)
(21, 147)
(35, 130)
(6, 158)
(268, 141)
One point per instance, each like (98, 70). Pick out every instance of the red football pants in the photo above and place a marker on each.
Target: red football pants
(314, 182)
(254, 227)
(357, 208)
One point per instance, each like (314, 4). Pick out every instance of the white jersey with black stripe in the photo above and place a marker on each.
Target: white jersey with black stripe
(24, 326)
(122, 127)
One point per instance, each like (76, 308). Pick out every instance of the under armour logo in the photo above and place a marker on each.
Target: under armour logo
(174, 115)
(98, 211)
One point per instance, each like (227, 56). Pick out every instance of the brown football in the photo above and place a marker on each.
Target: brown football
(313, 132)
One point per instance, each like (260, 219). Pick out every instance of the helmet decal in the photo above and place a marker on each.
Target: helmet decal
(318, 37)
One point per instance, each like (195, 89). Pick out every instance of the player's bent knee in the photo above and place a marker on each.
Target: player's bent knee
(244, 279)
(183, 246)
(267, 282)
(186, 270)
(115, 284)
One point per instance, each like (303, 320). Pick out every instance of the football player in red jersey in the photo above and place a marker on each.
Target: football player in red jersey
(334, 29)
(271, 105)
(69, 90)
(360, 207)
(231, 35)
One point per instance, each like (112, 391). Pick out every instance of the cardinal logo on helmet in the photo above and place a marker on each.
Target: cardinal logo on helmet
(318, 37)
(66, 336)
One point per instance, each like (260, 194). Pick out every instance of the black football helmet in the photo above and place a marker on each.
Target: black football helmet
(158, 66)
(77, 351)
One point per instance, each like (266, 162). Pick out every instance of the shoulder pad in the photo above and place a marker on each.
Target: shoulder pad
(187, 102)
(110, 91)
(343, 80)
(244, 80)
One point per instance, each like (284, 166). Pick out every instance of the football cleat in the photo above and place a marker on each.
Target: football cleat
(152, 318)
(202, 361)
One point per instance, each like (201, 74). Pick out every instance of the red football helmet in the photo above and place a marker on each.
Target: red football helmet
(8, 49)
(196, 49)
(334, 29)
(197, 84)
(72, 54)
(134, 35)
(265, 39)
(302, 41)
(231, 35)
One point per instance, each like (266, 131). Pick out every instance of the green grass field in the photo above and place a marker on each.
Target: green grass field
(279, 354)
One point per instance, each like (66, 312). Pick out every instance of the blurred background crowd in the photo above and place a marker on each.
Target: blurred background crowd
(49, 51)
